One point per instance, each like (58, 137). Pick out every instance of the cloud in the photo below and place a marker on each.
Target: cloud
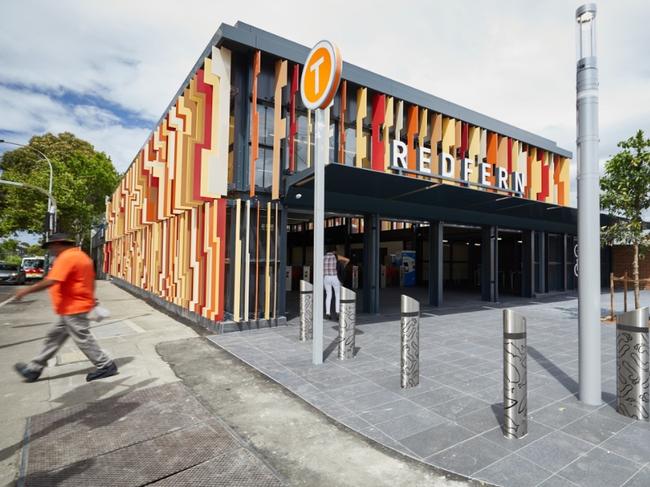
(107, 70)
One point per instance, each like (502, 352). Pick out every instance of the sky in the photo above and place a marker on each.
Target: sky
(106, 70)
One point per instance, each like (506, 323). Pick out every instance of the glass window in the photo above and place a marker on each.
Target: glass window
(303, 144)
(266, 125)
(350, 146)
(264, 168)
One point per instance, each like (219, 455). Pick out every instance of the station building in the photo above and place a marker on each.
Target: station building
(213, 219)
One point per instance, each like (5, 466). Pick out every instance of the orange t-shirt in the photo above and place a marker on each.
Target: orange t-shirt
(74, 291)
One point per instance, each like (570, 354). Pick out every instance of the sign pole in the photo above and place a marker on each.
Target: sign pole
(588, 209)
(321, 158)
(321, 76)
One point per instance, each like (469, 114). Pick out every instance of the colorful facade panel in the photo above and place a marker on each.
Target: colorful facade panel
(167, 219)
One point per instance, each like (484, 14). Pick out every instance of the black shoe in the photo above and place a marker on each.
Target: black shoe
(28, 375)
(106, 371)
(328, 317)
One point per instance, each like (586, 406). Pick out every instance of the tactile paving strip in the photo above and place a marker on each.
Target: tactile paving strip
(238, 468)
(144, 462)
(67, 436)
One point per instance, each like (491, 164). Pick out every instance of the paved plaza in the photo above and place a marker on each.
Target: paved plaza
(452, 420)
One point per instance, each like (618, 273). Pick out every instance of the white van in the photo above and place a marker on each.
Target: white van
(34, 267)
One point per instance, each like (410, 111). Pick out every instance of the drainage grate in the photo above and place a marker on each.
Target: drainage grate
(141, 463)
(238, 468)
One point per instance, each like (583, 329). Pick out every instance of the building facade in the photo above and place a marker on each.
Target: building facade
(213, 216)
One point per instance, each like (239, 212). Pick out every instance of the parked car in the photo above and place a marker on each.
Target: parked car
(34, 267)
(11, 273)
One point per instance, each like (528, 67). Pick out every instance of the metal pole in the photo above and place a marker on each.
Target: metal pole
(321, 151)
(588, 208)
(409, 342)
(632, 371)
(515, 375)
(29, 186)
(347, 323)
(306, 311)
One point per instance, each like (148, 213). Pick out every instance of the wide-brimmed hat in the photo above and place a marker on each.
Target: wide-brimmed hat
(59, 238)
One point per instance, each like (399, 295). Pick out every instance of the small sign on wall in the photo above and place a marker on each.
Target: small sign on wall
(306, 273)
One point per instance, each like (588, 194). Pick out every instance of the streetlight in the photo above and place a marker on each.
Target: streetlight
(51, 208)
(588, 207)
(35, 188)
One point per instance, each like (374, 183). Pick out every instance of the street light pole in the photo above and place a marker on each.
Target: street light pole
(31, 186)
(588, 208)
(51, 208)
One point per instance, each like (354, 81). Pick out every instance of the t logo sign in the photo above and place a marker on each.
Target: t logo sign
(321, 75)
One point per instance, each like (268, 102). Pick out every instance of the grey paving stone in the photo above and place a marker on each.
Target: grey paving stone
(555, 451)
(640, 479)
(468, 457)
(594, 428)
(558, 415)
(557, 481)
(483, 419)
(351, 391)
(410, 424)
(459, 406)
(535, 432)
(368, 401)
(430, 441)
(355, 422)
(390, 411)
(513, 471)
(436, 396)
(491, 395)
(632, 442)
(600, 468)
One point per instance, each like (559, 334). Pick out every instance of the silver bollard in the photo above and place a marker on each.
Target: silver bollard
(306, 315)
(515, 376)
(632, 364)
(410, 343)
(347, 323)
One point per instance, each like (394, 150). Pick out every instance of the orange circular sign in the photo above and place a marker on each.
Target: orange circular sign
(321, 75)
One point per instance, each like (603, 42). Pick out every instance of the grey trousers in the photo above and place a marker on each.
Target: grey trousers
(78, 327)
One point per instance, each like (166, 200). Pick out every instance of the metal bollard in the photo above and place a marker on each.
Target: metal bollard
(410, 343)
(306, 305)
(515, 377)
(632, 364)
(347, 323)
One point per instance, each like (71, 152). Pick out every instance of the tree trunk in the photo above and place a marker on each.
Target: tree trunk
(635, 275)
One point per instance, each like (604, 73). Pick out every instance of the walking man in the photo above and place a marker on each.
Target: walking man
(331, 280)
(71, 284)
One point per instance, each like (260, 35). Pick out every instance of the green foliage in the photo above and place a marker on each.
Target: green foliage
(626, 192)
(13, 259)
(83, 178)
(34, 250)
(12, 251)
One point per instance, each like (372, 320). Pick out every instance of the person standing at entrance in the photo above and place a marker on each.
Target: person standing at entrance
(331, 281)
(71, 284)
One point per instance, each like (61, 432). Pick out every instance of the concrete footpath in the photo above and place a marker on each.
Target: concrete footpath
(181, 412)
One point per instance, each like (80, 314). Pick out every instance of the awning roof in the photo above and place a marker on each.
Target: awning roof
(356, 190)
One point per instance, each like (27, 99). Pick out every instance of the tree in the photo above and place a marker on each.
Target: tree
(83, 178)
(625, 196)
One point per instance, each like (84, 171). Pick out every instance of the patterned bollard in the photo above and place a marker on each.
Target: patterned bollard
(632, 364)
(515, 376)
(410, 343)
(306, 301)
(347, 323)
